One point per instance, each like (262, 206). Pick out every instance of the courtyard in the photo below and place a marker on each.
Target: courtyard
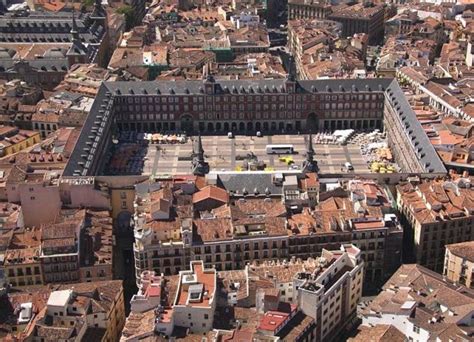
(225, 154)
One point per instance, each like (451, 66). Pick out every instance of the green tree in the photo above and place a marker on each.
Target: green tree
(88, 3)
(129, 14)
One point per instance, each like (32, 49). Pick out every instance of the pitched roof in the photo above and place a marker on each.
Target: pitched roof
(462, 250)
(378, 333)
(211, 192)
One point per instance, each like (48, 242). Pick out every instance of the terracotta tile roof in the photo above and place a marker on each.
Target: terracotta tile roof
(378, 333)
(206, 277)
(281, 272)
(101, 293)
(419, 294)
(96, 239)
(211, 192)
(272, 320)
(212, 229)
(298, 325)
(462, 250)
(139, 324)
(435, 200)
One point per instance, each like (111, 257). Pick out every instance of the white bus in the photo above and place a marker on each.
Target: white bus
(280, 149)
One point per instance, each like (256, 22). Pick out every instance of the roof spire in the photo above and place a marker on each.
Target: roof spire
(309, 148)
(200, 150)
(200, 166)
(309, 164)
(77, 48)
(74, 31)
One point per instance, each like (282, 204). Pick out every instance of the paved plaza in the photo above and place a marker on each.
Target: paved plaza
(226, 154)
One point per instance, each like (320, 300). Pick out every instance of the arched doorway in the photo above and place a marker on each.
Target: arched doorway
(210, 127)
(186, 123)
(249, 126)
(258, 126)
(281, 126)
(218, 127)
(241, 127)
(226, 126)
(312, 124)
(265, 126)
(274, 126)
(233, 126)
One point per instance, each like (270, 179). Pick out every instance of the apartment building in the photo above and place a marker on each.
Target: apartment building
(13, 140)
(255, 303)
(308, 9)
(85, 79)
(361, 18)
(331, 292)
(277, 275)
(77, 247)
(60, 250)
(459, 263)
(21, 261)
(423, 306)
(61, 40)
(361, 214)
(187, 300)
(36, 191)
(248, 39)
(74, 312)
(309, 38)
(437, 213)
(226, 231)
(96, 244)
(195, 302)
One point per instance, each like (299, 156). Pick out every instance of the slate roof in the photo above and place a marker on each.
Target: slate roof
(236, 182)
(43, 64)
(45, 25)
(101, 110)
(44, 28)
(186, 87)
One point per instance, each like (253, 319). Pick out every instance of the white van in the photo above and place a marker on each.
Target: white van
(348, 166)
(230, 135)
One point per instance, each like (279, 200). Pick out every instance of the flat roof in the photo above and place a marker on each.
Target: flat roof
(205, 279)
(59, 298)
